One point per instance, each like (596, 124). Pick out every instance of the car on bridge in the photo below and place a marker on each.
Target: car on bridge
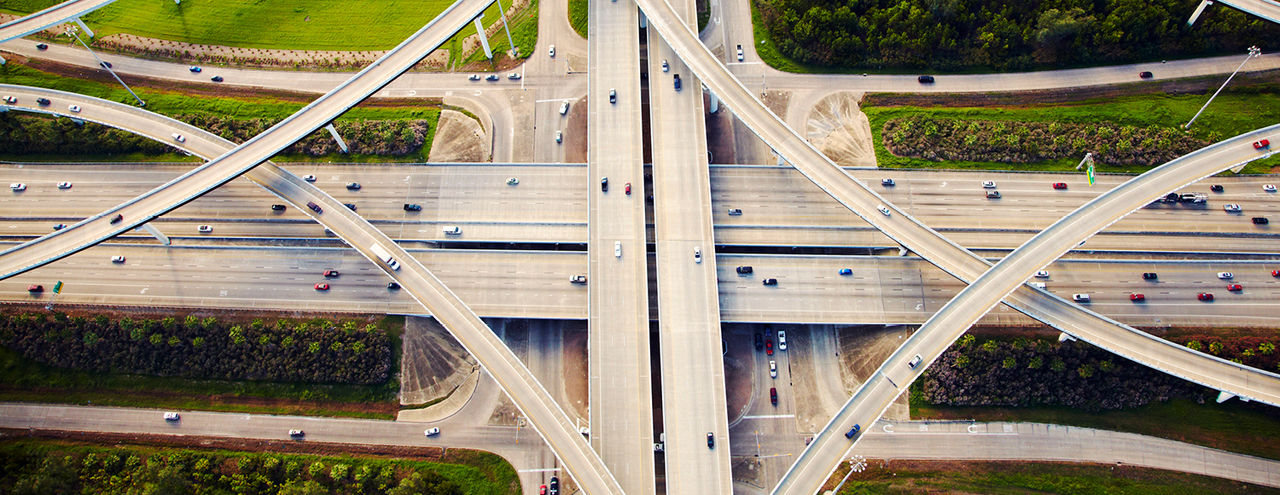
(74, 108)
(44, 102)
(915, 361)
(883, 210)
(1137, 297)
(1261, 144)
(314, 207)
(10, 99)
(853, 431)
(178, 137)
(116, 219)
(195, 69)
(1205, 296)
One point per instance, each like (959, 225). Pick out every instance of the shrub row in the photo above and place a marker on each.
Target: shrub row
(41, 469)
(315, 352)
(967, 34)
(1032, 141)
(27, 134)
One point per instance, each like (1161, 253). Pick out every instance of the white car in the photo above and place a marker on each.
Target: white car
(1231, 208)
(171, 416)
(1225, 275)
(665, 67)
(205, 229)
(453, 230)
(1080, 297)
(64, 185)
(431, 432)
(915, 361)
(564, 107)
(178, 137)
(697, 255)
(514, 76)
(1269, 187)
(10, 99)
(552, 51)
(1042, 274)
(309, 178)
(740, 57)
(297, 433)
(773, 369)
(18, 186)
(782, 340)
(559, 137)
(883, 210)
(74, 108)
(1038, 285)
(513, 181)
(988, 184)
(117, 259)
(617, 249)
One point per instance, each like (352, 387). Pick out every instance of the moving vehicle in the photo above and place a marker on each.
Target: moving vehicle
(117, 218)
(676, 82)
(1269, 188)
(297, 433)
(1205, 296)
(993, 194)
(665, 67)
(1235, 287)
(733, 212)
(925, 79)
(331, 273)
(770, 281)
(1080, 298)
(314, 207)
(42, 46)
(384, 256)
(613, 95)
(178, 137)
(117, 259)
(204, 229)
(171, 416)
(887, 182)
(322, 286)
(1042, 274)
(514, 76)
(1059, 185)
(884, 211)
(773, 396)
(1146, 74)
(988, 184)
(759, 342)
(551, 51)
(432, 431)
(18, 187)
(473, 77)
(491, 77)
(846, 271)
(564, 107)
(745, 270)
(853, 431)
(1216, 188)
(711, 440)
(35, 288)
(773, 369)
(309, 178)
(1136, 297)
(782, 340)
(915, 361)
(452, 230)
(59, 226)
(44, 102)
(105, 64)
(627, 188)
(393, 285)
(1261, 144)
(604, 184)
(559, 137)
(1149, 276)
(74, 108)
(1038, 285)
(353, 186)
(578, 279)
(768, 346)
(216, 78)
(739, 53)
(1225, 275)
(617, 249)
(64, 185)
(513, 181)
(10, 99)
(697, 254)
(1260, 220)
(195, 69)
(1231, 208)
(412, 207)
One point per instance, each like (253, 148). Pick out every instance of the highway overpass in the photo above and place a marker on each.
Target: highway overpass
(49, 17)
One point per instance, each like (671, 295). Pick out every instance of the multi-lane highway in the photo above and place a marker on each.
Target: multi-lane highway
(997, 283)
(618, 306)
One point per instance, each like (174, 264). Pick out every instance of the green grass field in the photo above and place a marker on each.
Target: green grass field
(297, 25)
(1028, 478)
(578, 10)
(1232, 113)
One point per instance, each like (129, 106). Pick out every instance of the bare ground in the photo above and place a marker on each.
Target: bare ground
(748, 470)
(574, 361)
(839, 129)
(459, 138)
(515, 334)
(863, 350)
(738, 366)
(575, 133)
(432, 363)
(720, 134)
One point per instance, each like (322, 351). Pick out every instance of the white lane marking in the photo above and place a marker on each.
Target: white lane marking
(769, 416)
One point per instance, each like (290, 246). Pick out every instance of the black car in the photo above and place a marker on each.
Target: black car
(711, 440)
(770, 281)
(925, 79)
(117, 218)
(744, 270)
(42, 46)
(277, 207)
(1260, 221)
(1146, 74)
(677, 82)
(555, 486)
(759, 342)
(216, 78)
(604, 184)
(314, 207)
(1149, 276)
(350, 206)
(44, 102)
(353, 186)
(105, 64)
(1216, 188)
(412, 207)
(492, 77)
(392, 285)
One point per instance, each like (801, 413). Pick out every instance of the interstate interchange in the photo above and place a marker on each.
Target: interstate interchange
(694, 294)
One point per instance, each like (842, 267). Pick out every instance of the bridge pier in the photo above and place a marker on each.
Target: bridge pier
(334, 132)
(164, 239)
(715, 102)
(484, 40)
(1199, 10)
(1064, 337)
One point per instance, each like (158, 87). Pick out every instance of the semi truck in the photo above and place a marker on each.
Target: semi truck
(385, 257)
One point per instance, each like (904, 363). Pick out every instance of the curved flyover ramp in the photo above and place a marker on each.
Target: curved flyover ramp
(906, 230)
(949, 323)
(51, 16)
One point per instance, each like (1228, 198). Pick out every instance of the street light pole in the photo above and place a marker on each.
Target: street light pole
(71, 30)
(1254, 51)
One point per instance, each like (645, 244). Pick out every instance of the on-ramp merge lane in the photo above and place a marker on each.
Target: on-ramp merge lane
(948, 324)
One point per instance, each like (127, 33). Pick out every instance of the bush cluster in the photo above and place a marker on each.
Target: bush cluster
(26, 134)
(1032, 141)
(1025, 372)
(45, 470)
(1257, 352)
(989, 34)
(318, 351)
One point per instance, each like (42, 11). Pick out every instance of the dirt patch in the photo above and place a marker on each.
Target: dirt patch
(862, 350)
(737, 372)
(432, 363)
(459, 138)
(515, 334)
(1200, 85)
(777, 101)
(749, 470)
(719, 133)
(574, 360)
(575, 134)
(839, 129)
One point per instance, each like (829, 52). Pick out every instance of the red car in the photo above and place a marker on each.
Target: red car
(1261, 144)
(628, 188)
(330, 273)
(773, 395)
(35, 288)
(1204, 296)
(542, 490)
(768, 346)
(1135, 297)
(1275, 273)
(1059, 185)
(1235, 287)
(322, 286)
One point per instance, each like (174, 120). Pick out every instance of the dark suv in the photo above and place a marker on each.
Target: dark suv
(314, 207)
(744, 270)
(1260, 220)
(1149, 276)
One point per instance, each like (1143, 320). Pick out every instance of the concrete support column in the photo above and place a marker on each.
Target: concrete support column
(715, 102)
(644, 22)
(484, 40)
(1199, 10)
(164, 239)
(1064, 337)
(334, 132)
(84, 27)
(1225, 396)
